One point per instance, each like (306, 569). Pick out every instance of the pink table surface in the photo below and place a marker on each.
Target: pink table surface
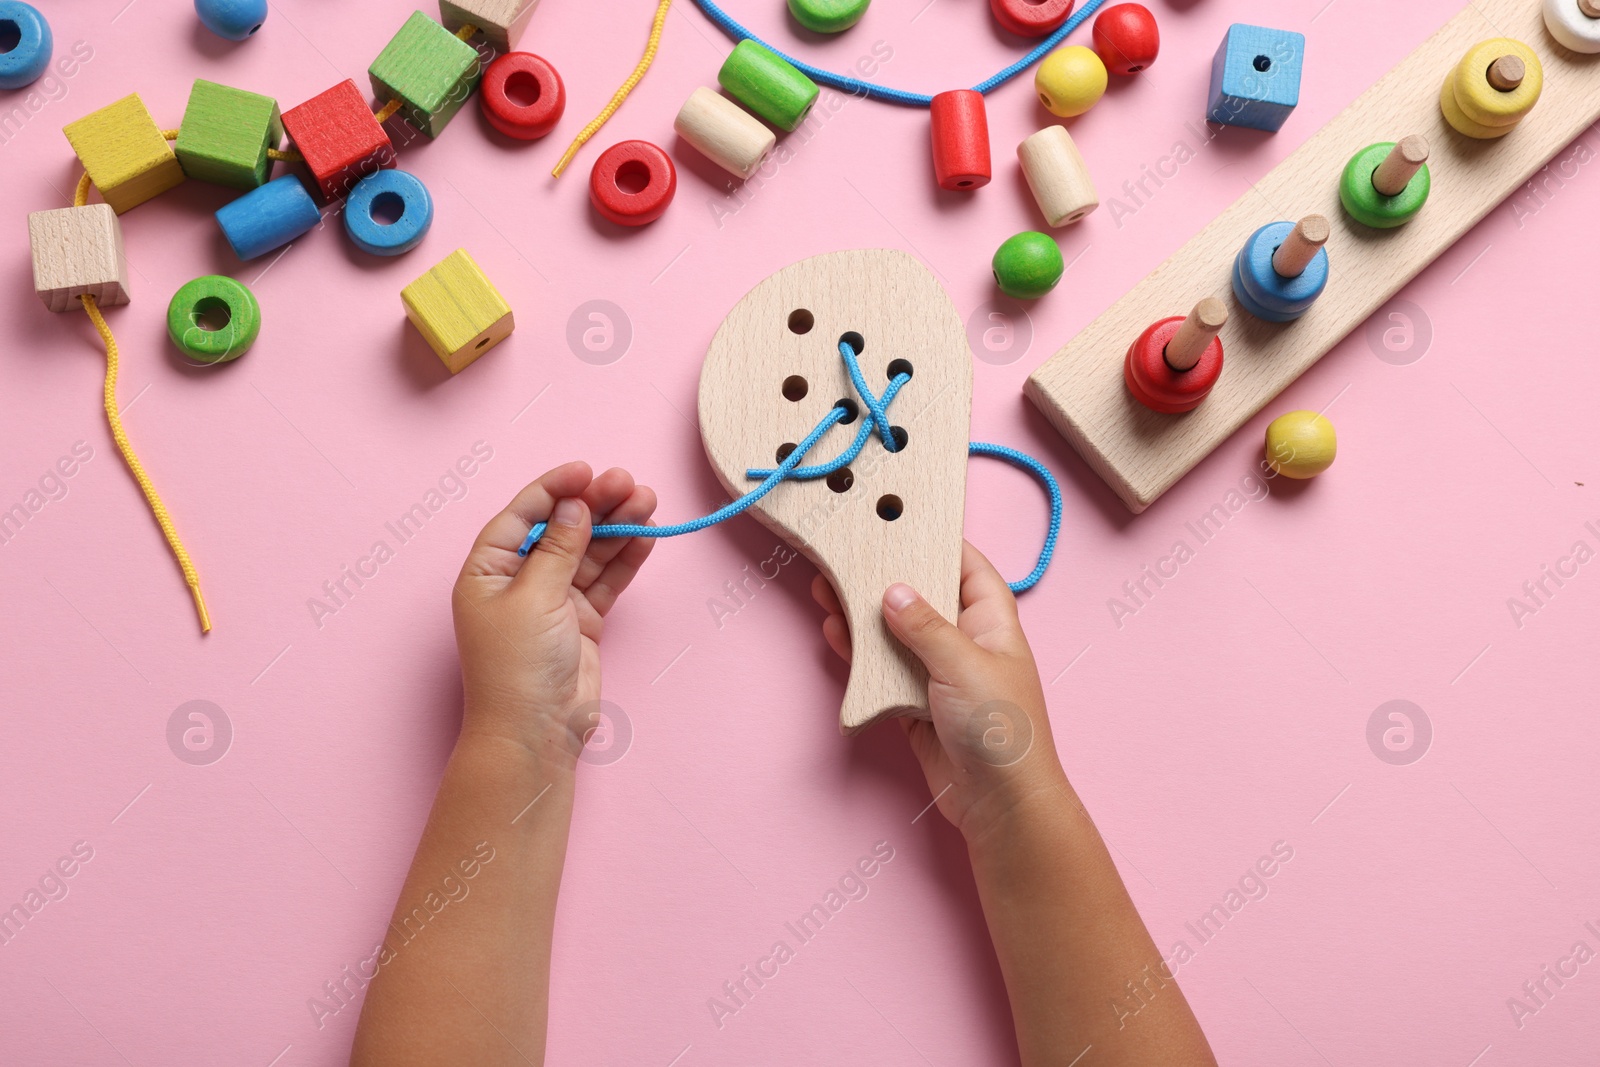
(1229, 714)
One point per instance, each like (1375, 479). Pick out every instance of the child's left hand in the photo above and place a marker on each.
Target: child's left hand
(528, 630)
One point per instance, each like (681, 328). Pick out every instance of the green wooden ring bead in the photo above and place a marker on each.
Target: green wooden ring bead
(208, 296)
(828, 16)
(768, 84)
(1028, 265)
(1362, 199)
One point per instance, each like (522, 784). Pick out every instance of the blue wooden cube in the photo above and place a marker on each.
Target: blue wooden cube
(1255, 77)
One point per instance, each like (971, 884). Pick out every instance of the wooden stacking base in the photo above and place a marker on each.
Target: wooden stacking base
(1141, 453)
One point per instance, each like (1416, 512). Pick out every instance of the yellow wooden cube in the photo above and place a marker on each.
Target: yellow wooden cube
(502, 22)
(77, 251)
(458, 310)
(125, 153)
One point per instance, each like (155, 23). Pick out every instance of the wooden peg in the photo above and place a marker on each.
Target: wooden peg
(1591, 8)
(1401, 165)
(1301, 246)
(1205, 321)
(1507, 72)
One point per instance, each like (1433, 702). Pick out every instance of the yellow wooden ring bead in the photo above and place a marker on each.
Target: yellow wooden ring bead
(1458, 120)
(1482, 102)
(1300, 444)
(1070, 81)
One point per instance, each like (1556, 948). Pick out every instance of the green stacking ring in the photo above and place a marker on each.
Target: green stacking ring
(209, 298)
(1362, 199)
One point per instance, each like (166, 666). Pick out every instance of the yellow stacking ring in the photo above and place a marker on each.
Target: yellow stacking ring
(1480, 101)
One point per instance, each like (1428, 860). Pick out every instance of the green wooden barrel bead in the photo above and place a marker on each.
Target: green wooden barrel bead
(213, 301)
(1027, 265)
(1362, 199)
(768, 84)
(828, 16)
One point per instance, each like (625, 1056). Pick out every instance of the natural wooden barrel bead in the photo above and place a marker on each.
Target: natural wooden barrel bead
(77, 251)
(1058, 176)
(126, 155)
(1173, 364)
(960, 140)
(1574, 23)
(1031, 18)
(724, 132)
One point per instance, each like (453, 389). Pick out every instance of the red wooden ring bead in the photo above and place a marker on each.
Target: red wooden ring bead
(1155, 384)
(531, 75)
(1031, 19)
(624, 166)
(960, 140)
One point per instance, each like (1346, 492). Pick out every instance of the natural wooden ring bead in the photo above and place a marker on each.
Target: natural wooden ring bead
(1482, 102)
(1153, 382)
(632, 160)
(960, 140)
(525, 122)
(1264, 292)
(405, 232)
(1031, 19)
(1368, 206)
(205, 296)
(23, 65)
(1571, 27)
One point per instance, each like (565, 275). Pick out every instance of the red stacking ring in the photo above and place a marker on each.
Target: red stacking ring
(632, 165)
(1031, 19)
(527, 75)
(1154, 383)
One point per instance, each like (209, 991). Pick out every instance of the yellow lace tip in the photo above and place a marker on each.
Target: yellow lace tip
(200, 606)
(467, 30)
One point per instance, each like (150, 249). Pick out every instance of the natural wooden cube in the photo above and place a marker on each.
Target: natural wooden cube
(124, 152)
(501, 22)
(458, 310)
(339, 138)
(429, 70)
(77, 251)
(226, 133)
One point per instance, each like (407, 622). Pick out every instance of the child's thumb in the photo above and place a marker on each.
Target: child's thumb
(936, 641)
(554, 561)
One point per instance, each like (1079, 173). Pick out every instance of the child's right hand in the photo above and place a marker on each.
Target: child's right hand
(988, 750)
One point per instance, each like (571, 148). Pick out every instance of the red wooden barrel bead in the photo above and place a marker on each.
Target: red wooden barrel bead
(1155, 384)
(1031, 19)
(632, 183)
(960, 140)
(529, 77)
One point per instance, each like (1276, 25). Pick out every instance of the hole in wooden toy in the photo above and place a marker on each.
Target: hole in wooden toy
(254, 28)
(1136, 68)
(1262, 63)
(890, 507)
(795, 387)
(633, 177)
(212, 314)
(801, 321)
(522, 89)
(784, 450)
(964, 183)
(898, 367)
(10, 35)
(850, 409)
(481, 342)
(900, 437)
(387, 208)
(841, 480)
(856, 342)
(1045, 100)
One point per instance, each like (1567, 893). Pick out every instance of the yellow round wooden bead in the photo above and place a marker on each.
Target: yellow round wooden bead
(1070, 81)
(1482, 102)
(1300, 444)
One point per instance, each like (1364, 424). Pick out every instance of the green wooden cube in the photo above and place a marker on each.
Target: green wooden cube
(429, 70)
(226, 133)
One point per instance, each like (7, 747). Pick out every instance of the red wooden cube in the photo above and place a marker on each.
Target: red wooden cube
(341, 140)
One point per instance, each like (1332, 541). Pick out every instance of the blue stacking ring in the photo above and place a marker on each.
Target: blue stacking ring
(405, 232)
(22, 65)
(1264, 292)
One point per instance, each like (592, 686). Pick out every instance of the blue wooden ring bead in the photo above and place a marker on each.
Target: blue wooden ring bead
(31, 57)
(387, 190)
(1366, 205)
(1257, 284)
(268, 217)
(234, 20)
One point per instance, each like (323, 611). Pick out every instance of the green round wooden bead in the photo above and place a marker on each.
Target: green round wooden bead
(1362, 199)
(1028, 265)
(768, 84)
(828, 16)
(211, 298)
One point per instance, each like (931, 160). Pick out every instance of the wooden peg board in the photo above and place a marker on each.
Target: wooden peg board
(1141, 453)
(756, 363)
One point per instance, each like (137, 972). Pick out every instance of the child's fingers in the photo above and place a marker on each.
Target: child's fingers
(822, 592)
(634, 508)
(836, 631)
(602, 593)
(943, 649)
(495, 550)
(548, 571)
(987, 603)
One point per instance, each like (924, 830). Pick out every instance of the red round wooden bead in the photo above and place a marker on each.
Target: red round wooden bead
(1031, 19)
(527, 75)
(1154, 383)
(1127, 38)
(632, 183)
(960, 140)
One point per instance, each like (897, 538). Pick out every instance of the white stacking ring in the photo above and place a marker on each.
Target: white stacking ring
(1569, 25)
